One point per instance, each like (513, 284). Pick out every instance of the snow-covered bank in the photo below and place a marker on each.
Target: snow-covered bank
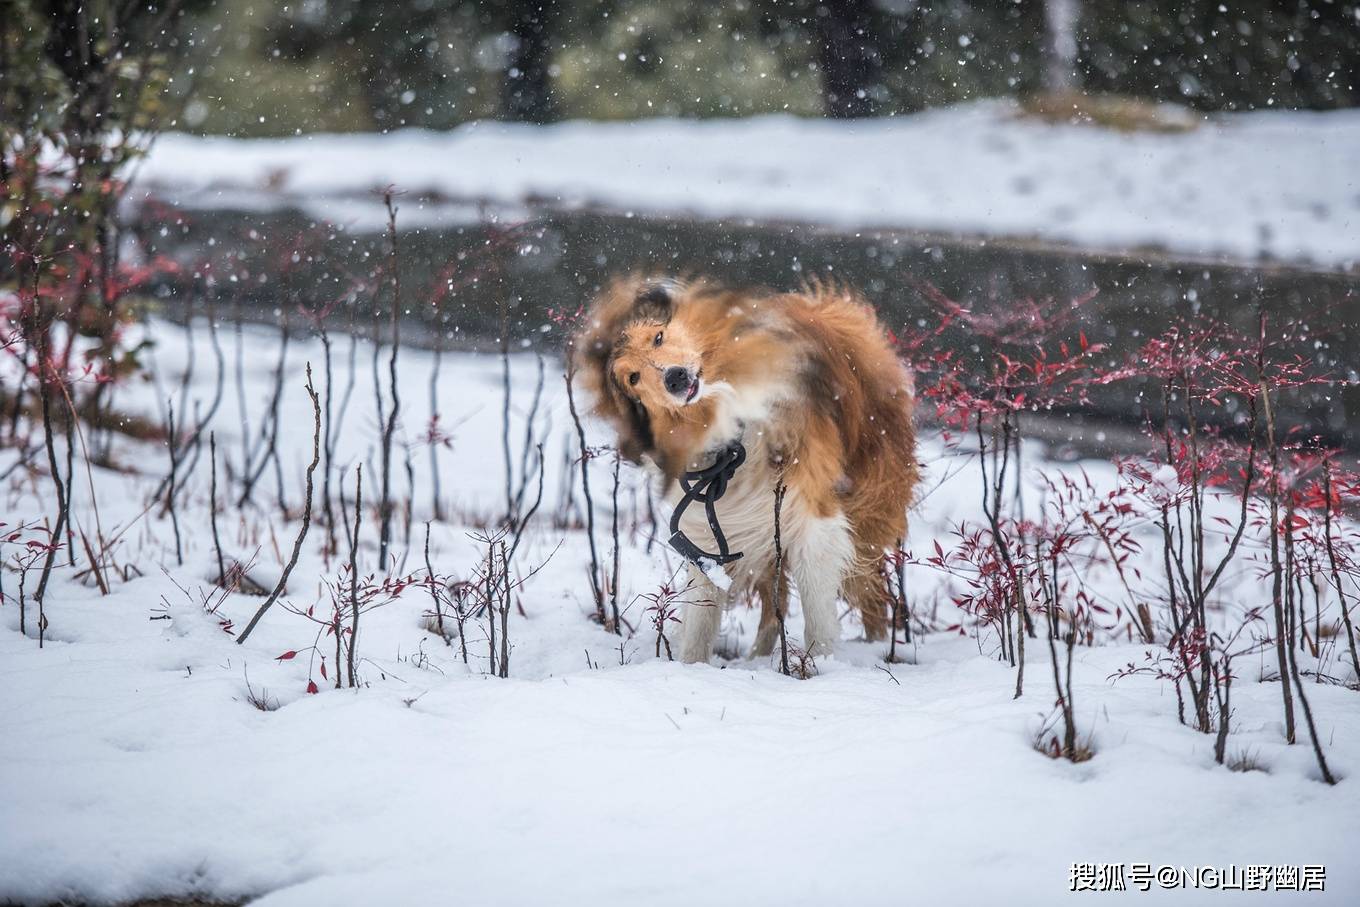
(132, 764)
(1282, 185)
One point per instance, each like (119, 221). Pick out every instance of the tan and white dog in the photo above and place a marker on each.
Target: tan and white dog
(810, 385)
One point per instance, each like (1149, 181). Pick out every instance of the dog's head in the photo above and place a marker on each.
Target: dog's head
(643, 364)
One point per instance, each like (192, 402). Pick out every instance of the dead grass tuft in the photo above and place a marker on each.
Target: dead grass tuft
(261, 700)
(801, 663)
(1246, 760)
(1047, 743)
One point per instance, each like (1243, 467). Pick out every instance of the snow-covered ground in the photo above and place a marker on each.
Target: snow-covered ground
(1282, 185)
(132, 764)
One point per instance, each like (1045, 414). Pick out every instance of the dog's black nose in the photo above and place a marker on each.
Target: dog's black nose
(677, 379)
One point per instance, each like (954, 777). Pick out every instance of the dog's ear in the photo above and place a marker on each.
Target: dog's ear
(654, 302)
(633, 423)
(639, 439)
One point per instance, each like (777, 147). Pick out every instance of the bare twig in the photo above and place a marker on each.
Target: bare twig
(212, 510)
(434, 592)
(504, 309)
(1330, 544)
(595, 589)
(1276, 570)
(505, 615)
(530, 417)
(46, 375)
(306, 514)
(328, 443)
(491, 583)
(538, 500)
(172, 442)
(269, 437)
(779, 491)
(614, 574)
(354, 570)
(385, 501)
(1294, 659)
(436, 490)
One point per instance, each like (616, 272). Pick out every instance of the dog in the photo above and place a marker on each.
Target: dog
(809, 384)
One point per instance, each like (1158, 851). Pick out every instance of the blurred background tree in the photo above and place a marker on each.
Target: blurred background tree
(269, 68)
(85, 85)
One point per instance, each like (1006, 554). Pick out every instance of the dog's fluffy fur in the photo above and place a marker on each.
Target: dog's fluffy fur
(811, 386)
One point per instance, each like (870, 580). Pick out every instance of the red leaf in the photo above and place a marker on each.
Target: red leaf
(323, 670)
(311, 686)
(287, 655)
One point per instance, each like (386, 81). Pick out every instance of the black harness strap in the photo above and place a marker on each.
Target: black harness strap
(707, 486)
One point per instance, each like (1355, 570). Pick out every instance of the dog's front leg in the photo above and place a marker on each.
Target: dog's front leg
(821, 552)
(703, 617)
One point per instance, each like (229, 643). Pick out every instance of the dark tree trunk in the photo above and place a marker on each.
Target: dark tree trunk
(528, 92)
(847, 52)
(70, 46)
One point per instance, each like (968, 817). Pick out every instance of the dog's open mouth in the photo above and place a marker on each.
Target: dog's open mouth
(693, 390)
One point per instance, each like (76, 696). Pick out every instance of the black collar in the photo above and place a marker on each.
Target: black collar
(707, 486)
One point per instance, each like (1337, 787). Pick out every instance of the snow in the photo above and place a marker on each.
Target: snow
(715, 573)
(1282, 185)
(132, 765)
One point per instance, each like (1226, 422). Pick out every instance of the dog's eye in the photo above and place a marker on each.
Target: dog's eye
(634, 378)
(656, 341)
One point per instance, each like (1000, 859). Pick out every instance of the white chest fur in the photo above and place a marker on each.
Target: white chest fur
(746, 512)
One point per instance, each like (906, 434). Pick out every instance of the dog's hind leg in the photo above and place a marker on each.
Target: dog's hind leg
(880, 522)
(867, 591)
(768, 633)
